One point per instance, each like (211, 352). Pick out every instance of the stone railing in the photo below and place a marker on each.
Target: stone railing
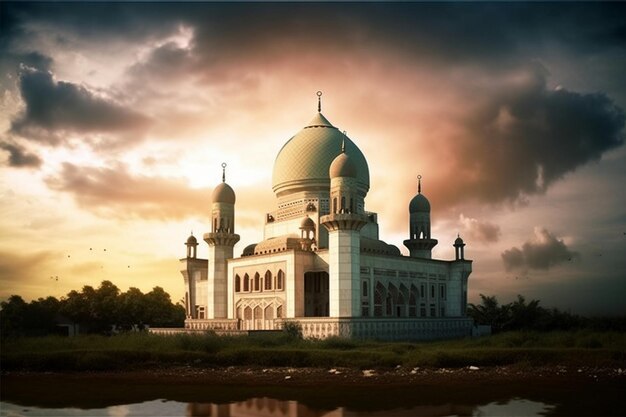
(172, 330)
(384, 328)
(212, 324)
(359, 328)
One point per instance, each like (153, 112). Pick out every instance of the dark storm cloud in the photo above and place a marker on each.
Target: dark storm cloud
(116, 192)
(446, 31)
(19, 157)
(89, 21)
(62, 106)
(35, 60)
(543, 252)
(524, 137)
(514, 140)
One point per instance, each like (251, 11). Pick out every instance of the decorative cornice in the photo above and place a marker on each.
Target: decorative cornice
(420, 244)
(344, 221)
(221, 239)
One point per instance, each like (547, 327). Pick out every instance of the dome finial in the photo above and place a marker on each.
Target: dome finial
(223, 171)
(419, 184)
(343, 145)
(319, 101)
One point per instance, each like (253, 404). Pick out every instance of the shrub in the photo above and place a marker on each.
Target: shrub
(293, 329)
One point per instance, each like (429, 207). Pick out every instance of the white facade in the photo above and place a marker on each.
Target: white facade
(321, 262)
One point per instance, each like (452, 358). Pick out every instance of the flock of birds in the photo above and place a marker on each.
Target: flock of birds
(55, 278)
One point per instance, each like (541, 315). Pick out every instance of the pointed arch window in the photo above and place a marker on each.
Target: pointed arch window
(379, 294)
(257, 282)
(280, 278)
(389, 305)
(413, 302)
(246, 283)
(237, 283)
(268, 281)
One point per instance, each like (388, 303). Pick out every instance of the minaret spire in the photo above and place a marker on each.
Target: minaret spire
(223, 171)
(319, 101)
(419, 184)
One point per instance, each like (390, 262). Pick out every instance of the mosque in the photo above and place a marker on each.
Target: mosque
(321, 262)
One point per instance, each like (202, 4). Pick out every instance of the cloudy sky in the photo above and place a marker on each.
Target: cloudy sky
(115, 117)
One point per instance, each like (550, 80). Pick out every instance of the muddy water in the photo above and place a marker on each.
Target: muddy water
(85, 396)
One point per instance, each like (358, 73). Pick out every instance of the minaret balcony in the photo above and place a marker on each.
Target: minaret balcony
(221, 239)
(344, 221)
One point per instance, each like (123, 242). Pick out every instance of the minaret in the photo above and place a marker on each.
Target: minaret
(420, 243)
(460, 270)
(192, 247)
(194, 275)
(307, 233)
(459, 249)
(344, 238)
(190, 299)
(221, 241)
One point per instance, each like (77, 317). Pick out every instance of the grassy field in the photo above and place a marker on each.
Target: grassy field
(143, 350)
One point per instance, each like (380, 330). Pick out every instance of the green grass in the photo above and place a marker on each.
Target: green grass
(143, 350)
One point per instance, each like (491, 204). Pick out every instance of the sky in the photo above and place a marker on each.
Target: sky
(115, 119)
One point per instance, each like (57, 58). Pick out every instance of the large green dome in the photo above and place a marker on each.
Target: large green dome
(304, 161)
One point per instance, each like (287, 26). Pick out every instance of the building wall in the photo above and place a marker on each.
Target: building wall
(404, 276)
(292, 208)
(196, 299)
(343, 266)
(202, 297)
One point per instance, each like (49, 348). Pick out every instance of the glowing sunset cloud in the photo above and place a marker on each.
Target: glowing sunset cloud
(115, 118)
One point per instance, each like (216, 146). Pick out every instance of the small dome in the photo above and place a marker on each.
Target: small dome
(378, 246)
(307, 223)
(223, 193)
(458, 241)
(249, 250)
(419, 204)
(342, 166)
(191, 240)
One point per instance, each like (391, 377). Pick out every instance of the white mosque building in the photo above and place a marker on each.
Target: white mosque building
(321, 262)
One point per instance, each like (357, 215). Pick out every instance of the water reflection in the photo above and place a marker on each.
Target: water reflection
(269, 407)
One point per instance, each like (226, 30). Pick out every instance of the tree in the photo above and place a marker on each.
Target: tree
(525, 316)
(132, 309)
(489, 312)
(18, 318)
(160, 310)
(522, 315)
(95, 310)
(12, 316)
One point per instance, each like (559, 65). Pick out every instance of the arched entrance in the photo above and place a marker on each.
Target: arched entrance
(316, 294)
